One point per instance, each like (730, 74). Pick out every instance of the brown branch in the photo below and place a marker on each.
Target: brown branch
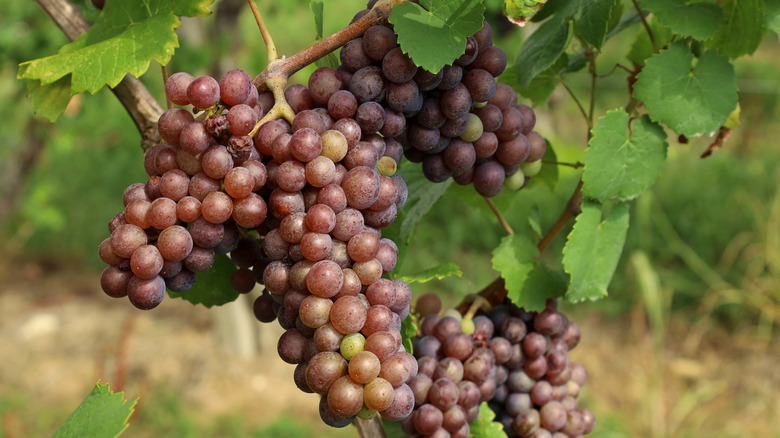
(723, 135)
(572, 209)
(501, 220)
(370, 428)
(136, 98)
(285, 67)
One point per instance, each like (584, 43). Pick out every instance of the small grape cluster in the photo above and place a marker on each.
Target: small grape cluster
(202, 187)
(458, 121)
(515, 360)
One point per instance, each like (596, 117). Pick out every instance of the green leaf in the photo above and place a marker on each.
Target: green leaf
(125, 38)
(329, 60)
(541, 50)
(542, 86)
(485, 425)
(528, 283)
(101, 414)
(212, 287)
(642, 48)
(408, 332)
(689, 99)
(560, 8)
(593, 23)
(689, 19)
(742, 29)
(593, 250)
(772, 16)
(622, 161)
(535, 221)
(520, 11)
(50, 100)
(435, 273)
(435, 36)
(393, 429)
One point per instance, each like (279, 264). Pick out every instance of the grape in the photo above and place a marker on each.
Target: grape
(171, 123)
(291, 346)
(146, 294)
(242, 119)
(324, 369)
(459, 156)
(427, 419)
(176, 87)
(299, 98)
(353, 57)
(323, 83)
(451, 76)
(401, 405)
(234, 87)
(345, 397)
(370, 116)
(404, 97)
(199, 259)
(203, 92)
(492, 59)
(398, 67)
(480, 84)
(377, 41)
(472, 48)
(351, 344)
(114, 281)
(146, 262)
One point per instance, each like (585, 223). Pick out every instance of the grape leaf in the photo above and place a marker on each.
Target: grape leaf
(622, 161)
(528, 283)
(542, 86)
(435, 36)
(392, 429)
(541, 50)
(535, 221)
(101, 414)
(125, 38)
(435, 273)
(317, 9)
(520, 11)
(408, 331)
(642, 48)
(593, 23)
(559, 8)
(212, 287)
(50, 100)
(485, 425)
(690, 19)
(593, 249)
(689, 99)
(772, 16)
(742, 30)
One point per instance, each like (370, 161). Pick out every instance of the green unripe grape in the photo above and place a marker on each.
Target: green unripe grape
(352, 345)
(467, 326)
(516, 181)
(366, 414)
(532, 168)
(386, 166)
(473, 130)
(480, 104)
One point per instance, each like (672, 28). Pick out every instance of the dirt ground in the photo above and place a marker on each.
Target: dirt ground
(59, 334)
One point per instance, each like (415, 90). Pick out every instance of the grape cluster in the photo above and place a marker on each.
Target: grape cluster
(458, 121)
(516, 360)
(202, 187)
(456, 373)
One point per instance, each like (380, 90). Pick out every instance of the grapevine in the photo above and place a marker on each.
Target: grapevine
(304, 190)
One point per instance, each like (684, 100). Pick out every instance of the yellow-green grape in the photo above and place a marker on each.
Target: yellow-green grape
(453, 313)
(480, 104)
(352, 345)
(467, 326)
(516, 181)
(365, 413)
(532, 168)
(473, 129)
(386, 166)
(334, 145)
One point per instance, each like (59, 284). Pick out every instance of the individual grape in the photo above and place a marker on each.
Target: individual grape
(199, 259)
(316, 246)
(362, 154)
(401, 406)
(348, 314)
(282, 203)
(504, 97)
(377, 41)
(299, 98)
(174, 184)
(187, 162)
(324, 369)
(323, 83)
(315, 311)
(201, 185)
(486, 145)
(480, 84)
(126, 238)
(114, 283)
(427, 81)
(203, 92)
(291, 346)
(458, 346)
(331, 418)
(404, 97)
(443, 394)
(263, 309)
(468, 394)
(361, 186)
(217, 161)
(472, 48)
(176, 87)
(427, 419)
(455, 102)
(266, 135)
(325, 279)
(242, 119)
(351, 344)
(216, 207)
(353, 57)
(454, 127)
(382, 344)
(136, 213)
(398, 67)
(489, 178)
(146, 262)
(146, 294)
(537, 146)
(512, 124)
(435, 169)
(492, 59)
(449, 368)
(398, 369)
(526, 422)
(171, 123)
(370, 116)
(351, 131)
(291, 176)
(235, 87)
(345, 397)
(364, 367)
(552, 416)
(459, 156)
(451, 76)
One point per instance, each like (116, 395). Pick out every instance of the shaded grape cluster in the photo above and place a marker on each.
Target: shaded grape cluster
(202, 189)
(515, 360)
(457, 122)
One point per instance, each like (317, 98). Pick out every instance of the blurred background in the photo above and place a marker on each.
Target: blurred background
(686, 344)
